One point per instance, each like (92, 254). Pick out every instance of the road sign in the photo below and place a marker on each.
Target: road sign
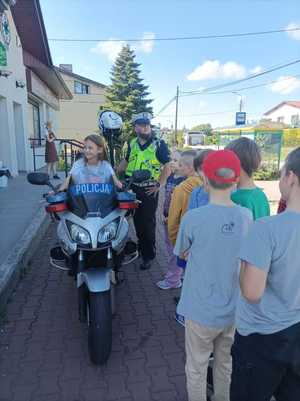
(240, 118)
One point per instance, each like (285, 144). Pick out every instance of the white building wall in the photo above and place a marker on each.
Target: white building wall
(286, 112)
(13, 108)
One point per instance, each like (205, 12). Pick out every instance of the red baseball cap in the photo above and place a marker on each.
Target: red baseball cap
(220, 159)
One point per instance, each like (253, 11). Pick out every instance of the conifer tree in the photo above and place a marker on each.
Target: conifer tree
(127, 94)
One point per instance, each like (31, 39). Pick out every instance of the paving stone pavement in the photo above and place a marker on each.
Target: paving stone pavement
(43, 346)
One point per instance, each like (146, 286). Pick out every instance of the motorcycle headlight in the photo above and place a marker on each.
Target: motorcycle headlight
(108, 232)
(79, 234)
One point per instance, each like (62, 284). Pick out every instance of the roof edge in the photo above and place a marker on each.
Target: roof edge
(287, 102)
(61, 80)
(43, 32)
(72, 74)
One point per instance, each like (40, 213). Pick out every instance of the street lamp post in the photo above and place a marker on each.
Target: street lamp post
(176, 115)
(241, 100)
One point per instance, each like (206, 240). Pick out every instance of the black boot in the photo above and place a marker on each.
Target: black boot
(145, 265)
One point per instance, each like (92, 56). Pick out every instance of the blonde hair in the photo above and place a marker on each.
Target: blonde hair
(99, 141)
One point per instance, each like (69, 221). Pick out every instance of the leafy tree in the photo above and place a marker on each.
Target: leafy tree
(205, 128)
(180, 139)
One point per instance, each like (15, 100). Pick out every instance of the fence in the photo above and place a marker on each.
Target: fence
(270, 143)
(67, 154)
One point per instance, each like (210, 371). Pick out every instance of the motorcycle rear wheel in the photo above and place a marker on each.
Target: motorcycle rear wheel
(100, 326)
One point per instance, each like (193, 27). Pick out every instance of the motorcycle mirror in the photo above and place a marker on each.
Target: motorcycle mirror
(38, 178)
(141, 176)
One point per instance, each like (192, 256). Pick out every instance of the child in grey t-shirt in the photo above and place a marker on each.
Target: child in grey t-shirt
(267, 343)
(94, 166)
(212, 236)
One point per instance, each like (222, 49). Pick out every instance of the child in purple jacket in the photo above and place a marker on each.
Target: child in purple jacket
(173, 277)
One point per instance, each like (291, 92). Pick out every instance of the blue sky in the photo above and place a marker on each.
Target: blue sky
(190, 64)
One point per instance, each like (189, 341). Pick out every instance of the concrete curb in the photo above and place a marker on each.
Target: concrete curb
(17, 260)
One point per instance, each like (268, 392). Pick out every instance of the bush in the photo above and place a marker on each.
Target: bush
(266, 174)
(211, 139)
(291, 137)
(61, 165)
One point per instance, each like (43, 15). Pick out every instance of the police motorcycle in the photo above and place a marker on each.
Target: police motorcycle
(92, 231)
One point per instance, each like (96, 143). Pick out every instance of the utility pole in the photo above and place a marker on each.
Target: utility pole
(241, 100)
(176, 115)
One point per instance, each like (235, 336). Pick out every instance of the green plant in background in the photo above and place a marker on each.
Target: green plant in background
(213, 139)
(291, 137)
(204, 128)
(266, 173)
(61, 164)
(180, 139)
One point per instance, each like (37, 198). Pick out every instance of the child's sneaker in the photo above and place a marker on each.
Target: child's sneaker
(164, 285)
(179, 319)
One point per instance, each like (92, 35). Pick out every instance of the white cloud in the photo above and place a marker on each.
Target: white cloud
(294, 34)
(202, 104)
(231, 69)
(285, 85)
(146, 46)
(208, 70)
(111, 49)
(256, 70)
(213, 69)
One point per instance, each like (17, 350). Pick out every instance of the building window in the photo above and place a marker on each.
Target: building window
(80, 88)
(295, 120)
(280, 119)
(36, 125)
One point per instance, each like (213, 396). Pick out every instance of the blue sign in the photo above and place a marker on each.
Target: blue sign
(91, 188)
(240, 118)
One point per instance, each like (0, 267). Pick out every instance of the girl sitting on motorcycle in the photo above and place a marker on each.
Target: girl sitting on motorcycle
(94, 166)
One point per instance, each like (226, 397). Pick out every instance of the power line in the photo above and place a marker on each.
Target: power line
(165, 39)
(252, 76)
(212, 90)
(240, 89)
(167, 105)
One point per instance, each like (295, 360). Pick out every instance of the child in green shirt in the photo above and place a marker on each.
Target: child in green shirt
(247, 193)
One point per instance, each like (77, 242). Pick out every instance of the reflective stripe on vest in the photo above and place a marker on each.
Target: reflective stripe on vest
(143, 159)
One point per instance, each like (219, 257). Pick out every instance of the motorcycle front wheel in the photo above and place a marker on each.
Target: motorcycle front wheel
(99, 326)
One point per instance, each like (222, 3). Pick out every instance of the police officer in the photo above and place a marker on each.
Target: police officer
(146, 152)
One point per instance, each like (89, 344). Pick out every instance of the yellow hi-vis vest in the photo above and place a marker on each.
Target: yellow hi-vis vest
(143, 159)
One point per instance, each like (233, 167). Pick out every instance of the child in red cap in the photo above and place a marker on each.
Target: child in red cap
(212, 235)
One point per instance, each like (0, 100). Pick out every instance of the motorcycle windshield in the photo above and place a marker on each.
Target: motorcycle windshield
(92, 199)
